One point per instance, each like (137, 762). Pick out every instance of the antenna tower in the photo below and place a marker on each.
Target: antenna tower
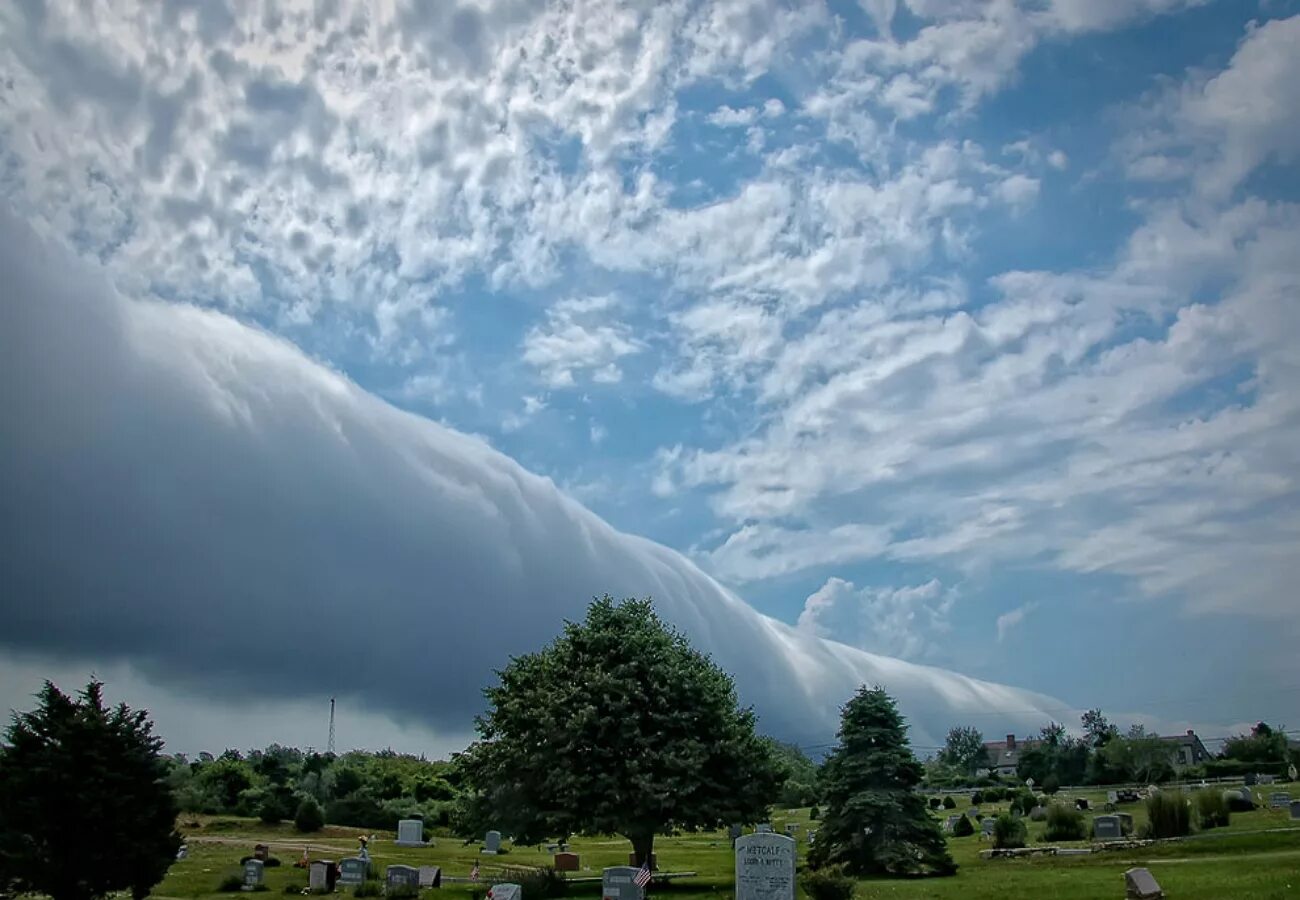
(330, 746)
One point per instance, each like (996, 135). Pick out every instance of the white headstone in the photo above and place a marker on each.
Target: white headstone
(1291, 772)
(352, 870)
(1112, 796)
(318, 876)
(765, 867)
(617, 883)
(505, 891)
(492, 842)
(410, 833)
(1141, 885)
(253, 873)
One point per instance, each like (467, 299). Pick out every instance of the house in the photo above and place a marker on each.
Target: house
(1004, 756)
(1186, 749)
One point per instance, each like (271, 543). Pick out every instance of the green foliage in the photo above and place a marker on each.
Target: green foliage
(360, 810)
(272, 810)
(1009, 832)
(949, 803)
(977, 798)
(72, 755)
(1098, 730)
(815, 813)
(231, 884)
(935, 803)
(595, 731)
(1212, 810)
(828, 884)
(1136, 756)
(800, 774)
(538, 882)
(309, 817)
(874, 822)
(368, 889)
(1238, 801)
(1051, 784)
(1168, 815)
(964, 750)
(1264, 744)
(1065, 823)
(963, 827)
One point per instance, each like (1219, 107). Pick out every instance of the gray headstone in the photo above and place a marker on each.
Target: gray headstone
(492, 842)
(763, 828)
(1125, 822)
(1295, 809)
(1141, 885)
(765, 867)
(1112, 796)
(410, 833)
(1279, 800)
(812, 835)
(318, 876)
(1267, 779)
(987, 825)
(791, 828)
(253, 870)
(734, 832)
(949, 825)
(402, 877)
(1107, 828)
(352, 870)
(430, 876)
(505, 891)
(616, 884)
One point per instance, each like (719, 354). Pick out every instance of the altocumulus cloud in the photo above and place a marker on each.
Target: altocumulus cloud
(201, 499)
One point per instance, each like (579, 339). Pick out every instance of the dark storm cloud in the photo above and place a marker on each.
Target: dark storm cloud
(201, 499)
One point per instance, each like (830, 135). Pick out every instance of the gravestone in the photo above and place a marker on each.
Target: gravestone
(949, 825)
(1250, 779)
(974, 810)
(1139, 884)
(1279, 800)
(567, 862)
(1112, 796)
(253, 872)
(616, 883)
(1081, 803)
(987, 826)
(492, 842)
(654, 860)
(765, 867)
(812, 836)
(1107, 828)
(1291, 772)
(430, 876)
(261, 851)
(505, 891)
(401, 878)
(1267, 779)
(410, 833)
(1295, 809)
(791, 828)
(352, 870)
(763, 828)
(318, 877)
(734, 832)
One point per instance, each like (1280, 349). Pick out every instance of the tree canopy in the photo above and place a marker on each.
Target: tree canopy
(873, 822)
(618, 726)
(964, 750)
(73, 758)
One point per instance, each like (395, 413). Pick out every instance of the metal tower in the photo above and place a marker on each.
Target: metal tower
(330, 747)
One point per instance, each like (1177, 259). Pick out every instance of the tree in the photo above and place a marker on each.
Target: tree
(310, 817)
(618, 726)
(964, 750)
(1263, 745)
(73, 755)
(800, 774)
(873, 821)
(1097, 728)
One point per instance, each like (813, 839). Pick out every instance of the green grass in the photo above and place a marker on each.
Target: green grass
(1239, 861)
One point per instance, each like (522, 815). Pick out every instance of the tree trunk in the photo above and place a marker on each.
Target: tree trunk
(643, 846)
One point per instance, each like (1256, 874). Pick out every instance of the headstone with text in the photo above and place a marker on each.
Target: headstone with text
(618, 883)
(352, 870)
(505, 891)
(765, 864)
(1140, 884)
(253, 872)
(567, 862)
(1279, 800)
(763, 828)
(318, 877)
(410, 833)
(401, 878)
(1107, 828)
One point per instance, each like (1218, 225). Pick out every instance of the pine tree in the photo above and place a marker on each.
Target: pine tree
(873, 822)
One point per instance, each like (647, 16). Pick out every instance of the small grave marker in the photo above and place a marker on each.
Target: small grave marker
(492, 842)
(505, 891)
(1140, 884)
(1295, 809)
(318, 876)
(763, 828)
(430, 876)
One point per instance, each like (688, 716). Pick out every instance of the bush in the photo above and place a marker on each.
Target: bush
(360, 811)
(1238, 801)
(292, 888)
(935, 803)
(271, 810)
(231, 884)
(1009, 832)
(368, 889)
(1038, 814)
(310, 817)
(1168, 815)
(949, 803)
(1051, 784)
(815, 813)
(828, 884)
(1065, 823)
(991, 795)
(542, 882)
(977, 798)
(1211, 809)
(1024, 801)
(963, 827)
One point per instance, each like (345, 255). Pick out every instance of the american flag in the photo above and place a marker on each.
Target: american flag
(473, 873)
(642, 876)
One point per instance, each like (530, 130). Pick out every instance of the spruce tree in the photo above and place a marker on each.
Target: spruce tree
(873, 821)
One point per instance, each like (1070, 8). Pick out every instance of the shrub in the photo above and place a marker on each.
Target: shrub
(231, 884)
(815, 813)
(1211, 809)
(1168, 815)
(1038, 814)
(1024, 801)
(1009, 832)
(977, 798)
(935, 803)
(310, 817)
(991, 795)
(271, 810)
(368, 889)
(1238, 801)
(1051, 784)
(360, 811)
(538, 882)
(402, 890)
(1065, 823)
(828, 884)
(963, 827)
(979, 817)
(949, 803)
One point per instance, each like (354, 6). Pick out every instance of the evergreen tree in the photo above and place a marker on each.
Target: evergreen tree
(72, 757)
(873, 822)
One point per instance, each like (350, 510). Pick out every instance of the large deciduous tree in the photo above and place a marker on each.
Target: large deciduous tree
(964, 750)
(619, 726)
(873, 822)
(73, 759)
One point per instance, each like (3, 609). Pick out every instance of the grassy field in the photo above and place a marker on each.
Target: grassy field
(1257, 856)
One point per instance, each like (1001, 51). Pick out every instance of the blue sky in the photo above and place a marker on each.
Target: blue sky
(962, 332)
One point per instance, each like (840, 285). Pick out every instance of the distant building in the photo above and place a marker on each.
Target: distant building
(1004, 756)
(1186, 749)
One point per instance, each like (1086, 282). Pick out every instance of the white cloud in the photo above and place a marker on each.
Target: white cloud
(1012, 618)
(578, 339)
(726, 117)
(896, 621)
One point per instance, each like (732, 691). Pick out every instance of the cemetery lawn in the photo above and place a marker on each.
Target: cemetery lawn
(1257, 856)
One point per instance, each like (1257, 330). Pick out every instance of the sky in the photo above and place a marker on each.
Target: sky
(952, 345)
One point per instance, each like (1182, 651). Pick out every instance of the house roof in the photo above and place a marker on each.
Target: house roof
(1000, 755)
